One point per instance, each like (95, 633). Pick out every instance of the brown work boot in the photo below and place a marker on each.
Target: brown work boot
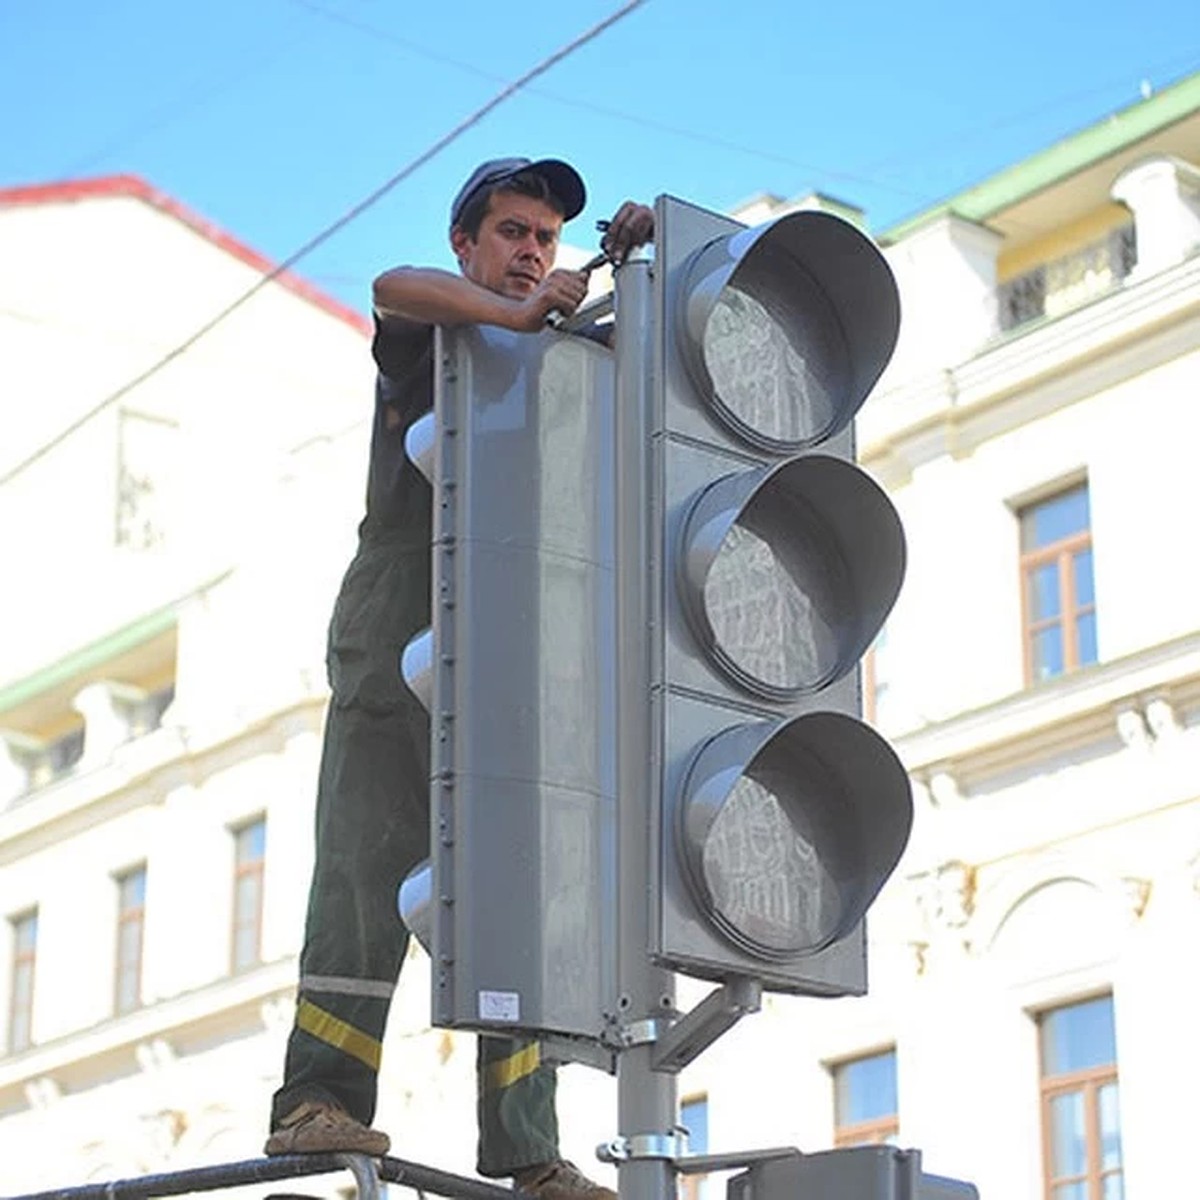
(316, 1128)
(559, 1181)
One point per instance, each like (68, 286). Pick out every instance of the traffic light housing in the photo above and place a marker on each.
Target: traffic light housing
(774, 561)
(861, 1172)
(517, 673)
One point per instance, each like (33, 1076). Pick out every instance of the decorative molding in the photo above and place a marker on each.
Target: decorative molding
(1132, 729)
(16, 749)
(154, 1055)
(944, 900)
(277, 1012)
(947, 896)
(1137, 894)
(43, 1092)
(920, 952)
(1031, 373)
(1162, 718)
(231, 999)
(1125, 897)
(1142, 697)
(944, 789)
(162, 1132)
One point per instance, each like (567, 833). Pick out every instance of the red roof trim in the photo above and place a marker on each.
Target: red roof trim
(108, 186)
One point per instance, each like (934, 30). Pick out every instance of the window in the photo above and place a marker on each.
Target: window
(693, 1116)
(865, 1108)
(1081, 1130)
(1058, 596)
(20, 1009)
(250, 844)
(131, 919)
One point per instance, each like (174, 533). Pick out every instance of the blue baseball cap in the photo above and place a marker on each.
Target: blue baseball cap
(564, 182)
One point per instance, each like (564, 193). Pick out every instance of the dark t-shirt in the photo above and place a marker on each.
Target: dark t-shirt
(384, 597)
(399, 499)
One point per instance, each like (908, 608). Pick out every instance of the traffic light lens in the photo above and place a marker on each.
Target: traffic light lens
(787, 830)
(786, 573)
(768, 879)
(772, 616)
(777, 375)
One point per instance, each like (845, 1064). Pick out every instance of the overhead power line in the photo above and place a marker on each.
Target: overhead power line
(870, 175)
(577, 102)
(356, 211)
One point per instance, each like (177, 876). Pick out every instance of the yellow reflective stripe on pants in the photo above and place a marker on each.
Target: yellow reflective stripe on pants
(507, 1071)
(338, 1033)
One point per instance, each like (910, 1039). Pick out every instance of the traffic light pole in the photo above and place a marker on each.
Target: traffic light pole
(646, 1099)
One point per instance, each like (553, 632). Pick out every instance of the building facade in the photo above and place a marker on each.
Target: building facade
(171, 566)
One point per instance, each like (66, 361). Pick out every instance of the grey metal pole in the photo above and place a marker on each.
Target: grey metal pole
(646, 1099)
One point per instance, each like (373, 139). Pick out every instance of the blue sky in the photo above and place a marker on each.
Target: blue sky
(274, 117)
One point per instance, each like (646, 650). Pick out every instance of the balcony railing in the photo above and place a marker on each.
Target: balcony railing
(1065, 283)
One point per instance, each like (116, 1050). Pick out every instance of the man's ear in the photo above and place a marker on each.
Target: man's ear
(460, 239)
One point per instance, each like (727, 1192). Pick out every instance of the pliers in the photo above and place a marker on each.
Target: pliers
(554, 318)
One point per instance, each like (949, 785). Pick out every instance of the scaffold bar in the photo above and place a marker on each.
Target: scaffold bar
(367, 1172)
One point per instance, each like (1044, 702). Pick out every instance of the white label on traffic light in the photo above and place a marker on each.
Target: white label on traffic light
(499, 1006)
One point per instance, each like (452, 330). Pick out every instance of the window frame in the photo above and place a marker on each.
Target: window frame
(1088, 1081)
(242, 871)
(21, 998)
(1061, 553)
(129, 915)
(691, 1186)
(876, 1131)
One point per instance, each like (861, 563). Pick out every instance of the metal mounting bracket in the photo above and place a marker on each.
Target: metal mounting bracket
(694, 1032)
(672, 1146)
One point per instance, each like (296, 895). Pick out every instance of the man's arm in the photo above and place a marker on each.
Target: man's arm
(427, 296)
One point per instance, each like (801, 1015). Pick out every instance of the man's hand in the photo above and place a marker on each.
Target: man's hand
(561, 291)
(632, 226)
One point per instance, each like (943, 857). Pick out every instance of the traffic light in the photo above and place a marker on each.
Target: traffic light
(517, 674)
(774, 561)
(861, 1172)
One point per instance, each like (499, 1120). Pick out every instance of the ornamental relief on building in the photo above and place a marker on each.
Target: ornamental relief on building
(945, 904)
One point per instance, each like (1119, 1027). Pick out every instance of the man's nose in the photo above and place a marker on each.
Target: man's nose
(531, 247)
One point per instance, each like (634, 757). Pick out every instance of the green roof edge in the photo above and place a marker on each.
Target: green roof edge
(76, 663)
(1062, 159)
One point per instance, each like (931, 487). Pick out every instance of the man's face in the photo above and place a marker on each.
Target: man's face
(517, 242)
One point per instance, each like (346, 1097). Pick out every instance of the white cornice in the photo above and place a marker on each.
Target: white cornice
(1074, 709)
(85, 1053)
(142, 772)
(1031, 374)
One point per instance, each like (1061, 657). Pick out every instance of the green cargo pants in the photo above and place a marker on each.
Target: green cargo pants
(372, 828)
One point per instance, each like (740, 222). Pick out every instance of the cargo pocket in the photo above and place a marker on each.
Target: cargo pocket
(383, 602)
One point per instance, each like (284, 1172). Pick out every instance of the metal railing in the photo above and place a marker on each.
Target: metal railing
(368, 1173)
(1067, 282)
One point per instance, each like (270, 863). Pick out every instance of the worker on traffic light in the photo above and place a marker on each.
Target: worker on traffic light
(372, 814)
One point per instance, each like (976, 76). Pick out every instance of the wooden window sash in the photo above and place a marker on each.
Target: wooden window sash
(1062, 553)
(1088, 1081)
(247, 871)
(874, 1132)
(133, 914)
(20, 995)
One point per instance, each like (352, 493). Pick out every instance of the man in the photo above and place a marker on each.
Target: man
(372, 818)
